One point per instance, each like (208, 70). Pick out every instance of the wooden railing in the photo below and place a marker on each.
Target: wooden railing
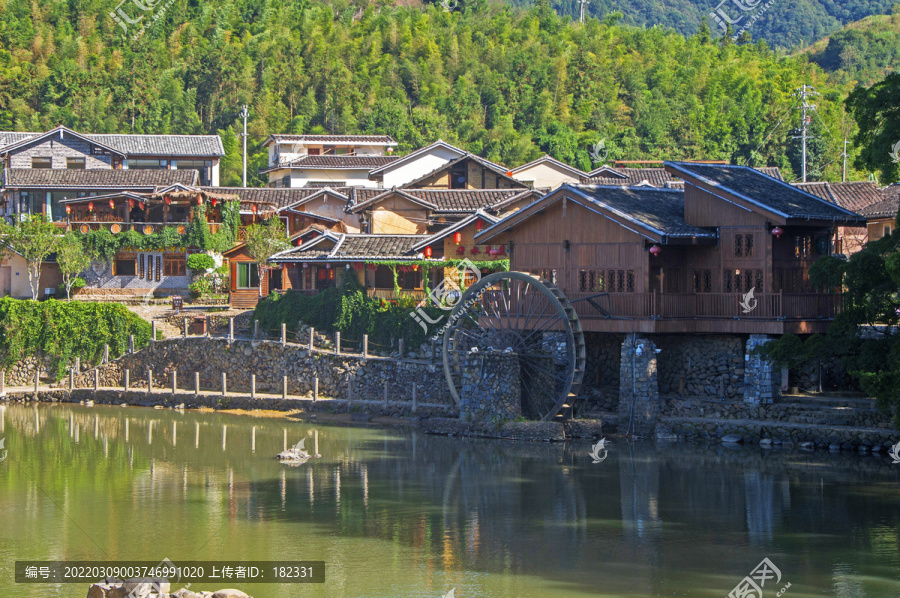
(763, 306)
(392, 295)
(143, 227)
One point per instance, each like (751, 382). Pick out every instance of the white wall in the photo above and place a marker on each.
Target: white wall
(545, 175)
(301, 177)
(399, 175)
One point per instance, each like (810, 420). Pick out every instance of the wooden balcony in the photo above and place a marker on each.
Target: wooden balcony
(148, 228)
(392, 295)
(773, 313)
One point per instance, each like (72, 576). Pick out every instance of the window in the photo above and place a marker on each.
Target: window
(174, 264)
(739, 246)
(143, 164)
(201, 166)
(41, 162)
(741, 281)
(125, 264)
(743, 245)
(803, 246)
(248, 275)
(702, 281)
(75, 163)
(98, 151)
(286, 181)
(458, 176)
(887, 230)
(313, 151)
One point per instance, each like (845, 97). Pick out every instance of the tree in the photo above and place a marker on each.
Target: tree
(33, 238)
(877, 113)
(263, 241)
(72, 259)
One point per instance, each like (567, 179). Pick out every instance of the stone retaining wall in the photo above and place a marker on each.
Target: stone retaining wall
(793, 413)
(701, 366)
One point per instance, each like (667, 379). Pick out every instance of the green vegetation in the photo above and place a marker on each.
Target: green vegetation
(864, 335)
(33, 238)
(508, 84)
(265, 240)
(865, 51)
(878, 113)
(200, 261)
(66, 330)
(348, 309)
(72, 259)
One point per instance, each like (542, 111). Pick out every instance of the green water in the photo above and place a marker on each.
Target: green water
(395, 513)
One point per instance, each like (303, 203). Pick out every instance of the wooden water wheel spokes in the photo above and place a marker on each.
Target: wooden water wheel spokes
(517, 313)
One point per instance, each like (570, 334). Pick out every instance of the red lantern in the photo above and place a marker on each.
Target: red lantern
(90, 206)
(428, 252)
(461, 250)
(654, 251)
(777, 231)
(254, 208)
(509, 173)
(199, 200)
(494, 251)
(213, 202)
(168, 200)
(299, 242)
(475, 250)
(68, 209)
(112, 205)
(130, 202)
(479, 224)
(457, 237)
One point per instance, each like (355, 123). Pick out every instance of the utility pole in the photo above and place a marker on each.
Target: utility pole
(804, 93)
(244, 114)
(844, 178)
(582, 2)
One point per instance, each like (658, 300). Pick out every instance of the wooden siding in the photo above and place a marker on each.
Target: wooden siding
(398, 216)
(477, 177)
(704, 209)
(468, 233)
(243, 298)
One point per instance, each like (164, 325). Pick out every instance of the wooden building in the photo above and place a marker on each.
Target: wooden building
(657, 260)
(881, 217)
(855, 196)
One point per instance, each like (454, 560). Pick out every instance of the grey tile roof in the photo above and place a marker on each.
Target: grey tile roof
(101, 178)
(280, 197)
(770, 193)
(851, 195)
(353, 247)
(386, 139)
(887, 207)
(444, 201)
(656, 177)
(142, 145)
(661, 210)
(339, 162)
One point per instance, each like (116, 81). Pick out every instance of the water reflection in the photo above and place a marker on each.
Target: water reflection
(396, 513)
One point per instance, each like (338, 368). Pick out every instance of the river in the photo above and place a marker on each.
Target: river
(396, 513)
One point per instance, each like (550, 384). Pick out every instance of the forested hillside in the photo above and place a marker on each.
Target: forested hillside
(508, 84)
(786, 23)
(865, 51)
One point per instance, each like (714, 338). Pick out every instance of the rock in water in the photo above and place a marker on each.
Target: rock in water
(732, 439)
(230, 594)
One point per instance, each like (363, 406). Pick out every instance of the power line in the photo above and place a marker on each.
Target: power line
(804, 93)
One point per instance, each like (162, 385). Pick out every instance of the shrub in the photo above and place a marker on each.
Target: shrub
(200, 262)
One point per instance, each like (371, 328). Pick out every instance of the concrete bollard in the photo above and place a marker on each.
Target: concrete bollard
(153, 331)
(252, 386)
(349, 390)
(255, 329)
(96, 379)
(316, 388)
(284, 387)
(127, 379)
(150, 381)
(208, 325)
(185, 333)
(71, 380)
(365, 349)
(400, 347)
(337, 343)
(283, 334)
(37, 378)
(105, 353)
(230, 330)
(385, 391)
(131, 343)
(224, 384)
(78, 365)
(196, 384)
(415, 403)
(312, 336)
(174, 382)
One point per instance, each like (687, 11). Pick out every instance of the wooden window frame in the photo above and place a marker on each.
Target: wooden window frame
(174, 264)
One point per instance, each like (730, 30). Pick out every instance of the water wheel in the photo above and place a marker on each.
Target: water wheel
(515, 312)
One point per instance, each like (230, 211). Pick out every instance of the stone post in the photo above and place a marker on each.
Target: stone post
(208, 325)
(337, 342)
(127, 379)
(71, 381)
(230, 330)
(349, 390)
(761, 381)
(255, 329)
(185, 333)
(131, 343)
(415, 403)
(174, 382)
(96, 379)
(312, 336)
(400, 348)
(105, 353)
(196, 384)
(638, 387)
(284, 387)
(153, 331)
(365, 348)
(150, 381)
(224, 384)
(316, 388)
(37, 377)
(283, 334)
(78, 365)
(252, 386)
(385, 391)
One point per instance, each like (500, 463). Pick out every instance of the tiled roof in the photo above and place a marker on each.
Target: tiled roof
(548, 159)
(412, 156)
(656, 177)
(335, 162)
(386, 139)
(887, 207)
(762, 190)
(661, 210)
(101, 178)
(492, 166)
(280, 197)
(445, 201)
(353, 247)
(852, 195)
(431, 239)
(141, 145)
